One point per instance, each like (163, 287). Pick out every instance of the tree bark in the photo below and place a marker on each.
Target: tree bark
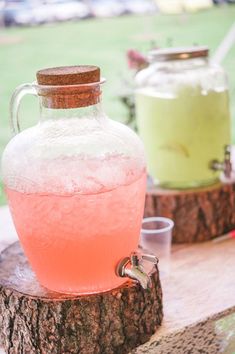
(199, 214)
(34, 320)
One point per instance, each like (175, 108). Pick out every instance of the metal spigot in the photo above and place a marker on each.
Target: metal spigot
(132, 268)
(224, 166)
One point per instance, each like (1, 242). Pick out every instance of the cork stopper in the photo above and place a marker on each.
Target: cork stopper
(69, 86)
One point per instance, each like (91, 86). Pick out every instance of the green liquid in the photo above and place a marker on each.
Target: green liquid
(183, 134)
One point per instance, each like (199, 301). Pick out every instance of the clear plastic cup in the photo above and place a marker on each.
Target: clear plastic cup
(156, 237)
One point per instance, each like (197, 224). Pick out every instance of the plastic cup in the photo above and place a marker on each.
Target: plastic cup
(156, 237)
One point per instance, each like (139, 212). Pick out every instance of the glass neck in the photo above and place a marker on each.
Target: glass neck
(175, 65)
(92, 112)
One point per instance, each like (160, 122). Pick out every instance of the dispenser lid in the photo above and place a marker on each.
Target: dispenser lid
(180, 53)
(69, 75)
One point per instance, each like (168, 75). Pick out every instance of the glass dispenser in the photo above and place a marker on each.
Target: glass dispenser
(76, 184)
(183, 117)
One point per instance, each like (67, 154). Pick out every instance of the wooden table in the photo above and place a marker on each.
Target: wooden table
(199, 298)
(199, 302)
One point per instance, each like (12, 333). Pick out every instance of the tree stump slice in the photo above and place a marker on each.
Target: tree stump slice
(199, 214)
(34, 320)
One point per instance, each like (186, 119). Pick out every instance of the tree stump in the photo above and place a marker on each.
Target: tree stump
(35, 320)
(199, 214)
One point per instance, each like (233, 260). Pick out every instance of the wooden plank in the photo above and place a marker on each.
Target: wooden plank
(199, 295)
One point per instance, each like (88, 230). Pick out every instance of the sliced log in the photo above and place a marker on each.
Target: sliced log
(199, 214)
(34, 320)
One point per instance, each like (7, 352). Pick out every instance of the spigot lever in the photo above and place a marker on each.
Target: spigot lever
(150, 258)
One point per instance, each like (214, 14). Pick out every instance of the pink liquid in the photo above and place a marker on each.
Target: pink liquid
(74, 243)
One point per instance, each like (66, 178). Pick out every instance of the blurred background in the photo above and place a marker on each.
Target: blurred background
(36, 34)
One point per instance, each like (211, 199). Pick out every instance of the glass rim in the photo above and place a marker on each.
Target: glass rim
(36, 85)
(178, 53)
(158, 231)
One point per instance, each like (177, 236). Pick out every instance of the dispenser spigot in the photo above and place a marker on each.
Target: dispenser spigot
(224, 166)
(132, 268)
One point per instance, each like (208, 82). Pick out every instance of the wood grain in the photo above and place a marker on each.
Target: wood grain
(36, 320)
(199, 214)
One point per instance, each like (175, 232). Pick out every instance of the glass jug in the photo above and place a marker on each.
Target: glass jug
(183, 117)
(75, 183)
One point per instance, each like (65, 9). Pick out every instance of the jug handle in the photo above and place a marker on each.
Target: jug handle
(16, 98)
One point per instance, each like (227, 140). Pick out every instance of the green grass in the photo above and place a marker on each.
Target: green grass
(104, 43)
